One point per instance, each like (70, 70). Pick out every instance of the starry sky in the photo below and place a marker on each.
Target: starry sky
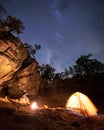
(65, 29)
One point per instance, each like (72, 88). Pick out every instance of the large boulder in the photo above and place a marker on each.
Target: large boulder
(12, 55)
(18, 71)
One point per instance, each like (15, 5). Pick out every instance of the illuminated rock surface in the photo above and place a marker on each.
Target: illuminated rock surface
(18, 71)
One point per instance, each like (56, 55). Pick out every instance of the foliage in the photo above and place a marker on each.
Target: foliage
(65, 75)
(32, 49)
(11, 25)
(15, 25)
(86, 66)
(47, 72)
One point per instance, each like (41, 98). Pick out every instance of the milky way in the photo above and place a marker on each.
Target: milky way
(65, 29)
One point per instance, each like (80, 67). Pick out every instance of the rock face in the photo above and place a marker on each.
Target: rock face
(18, 71)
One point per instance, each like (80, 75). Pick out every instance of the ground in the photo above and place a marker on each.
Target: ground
(20, 117)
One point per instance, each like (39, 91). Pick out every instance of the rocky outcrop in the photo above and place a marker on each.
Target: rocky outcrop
(18, 71)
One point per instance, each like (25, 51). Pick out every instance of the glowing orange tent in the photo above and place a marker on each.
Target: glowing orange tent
(81, 104)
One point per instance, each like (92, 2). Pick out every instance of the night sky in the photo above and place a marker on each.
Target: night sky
(65, 29)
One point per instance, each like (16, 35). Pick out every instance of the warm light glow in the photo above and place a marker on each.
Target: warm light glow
(81, 104)
(34, 105)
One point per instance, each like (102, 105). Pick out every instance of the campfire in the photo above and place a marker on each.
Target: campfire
(34, 106)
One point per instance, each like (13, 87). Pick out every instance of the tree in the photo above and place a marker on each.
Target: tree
(14, 24)
(9, 26)
(32, 49)
(86, 66)
(64, 75)
(47, 72)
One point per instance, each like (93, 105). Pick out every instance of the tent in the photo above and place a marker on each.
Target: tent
(81, 104)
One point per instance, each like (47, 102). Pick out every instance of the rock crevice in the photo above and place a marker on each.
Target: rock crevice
(18, 71)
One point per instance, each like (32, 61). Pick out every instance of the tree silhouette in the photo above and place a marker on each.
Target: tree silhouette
(87, 66)
(12, 25)
(32, 49)
(9, 26)
(47, 72)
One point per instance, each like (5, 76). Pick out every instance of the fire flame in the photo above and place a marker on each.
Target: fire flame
(34, 106)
